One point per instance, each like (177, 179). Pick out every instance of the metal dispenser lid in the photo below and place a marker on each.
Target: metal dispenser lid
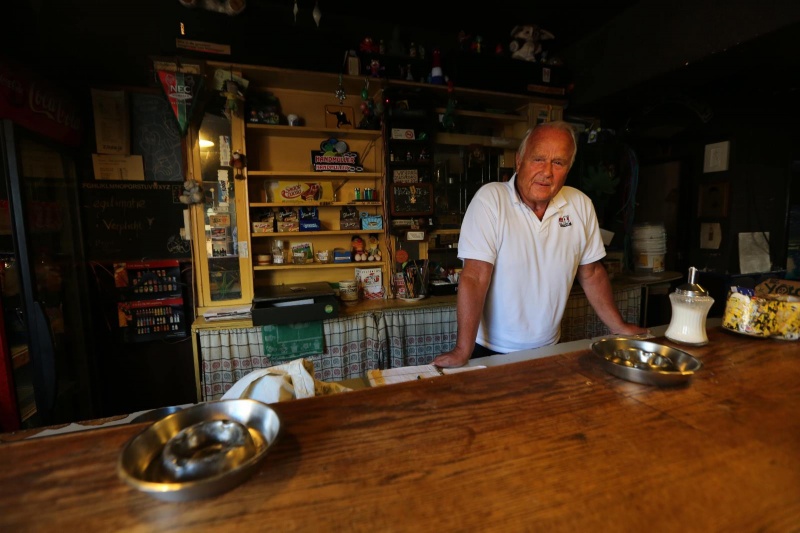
(691, 288)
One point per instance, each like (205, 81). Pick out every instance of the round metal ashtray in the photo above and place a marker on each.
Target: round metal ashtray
(645, 362)
(199, 451)
(156, 414)
(206, 449)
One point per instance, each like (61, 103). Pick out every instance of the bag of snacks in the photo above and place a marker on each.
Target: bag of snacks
(764, 315)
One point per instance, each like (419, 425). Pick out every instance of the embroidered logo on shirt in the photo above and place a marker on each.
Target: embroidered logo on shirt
(564, 221)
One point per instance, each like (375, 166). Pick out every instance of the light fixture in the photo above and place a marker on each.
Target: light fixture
(317, 13)
(204, 143)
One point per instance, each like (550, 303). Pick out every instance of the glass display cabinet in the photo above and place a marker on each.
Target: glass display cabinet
(220, 246)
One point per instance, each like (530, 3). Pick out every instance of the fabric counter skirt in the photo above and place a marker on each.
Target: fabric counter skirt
(352, 345)
(384, 339)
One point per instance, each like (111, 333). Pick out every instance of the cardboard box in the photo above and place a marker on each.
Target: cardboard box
(371, 222)
(340, 255)
(303, 191)
(288, 227)
(264, 227)
(310, 225)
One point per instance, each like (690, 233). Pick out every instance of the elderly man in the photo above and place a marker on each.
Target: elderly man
(523, 244)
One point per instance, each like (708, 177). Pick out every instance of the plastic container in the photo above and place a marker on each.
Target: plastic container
(649, 242)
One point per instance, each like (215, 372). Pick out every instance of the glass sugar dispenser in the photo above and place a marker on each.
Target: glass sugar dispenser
(690, 305)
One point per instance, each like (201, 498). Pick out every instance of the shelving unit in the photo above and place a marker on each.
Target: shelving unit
(486, 121)
(281, 155)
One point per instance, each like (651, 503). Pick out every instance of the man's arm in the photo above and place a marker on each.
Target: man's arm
(594, 280)
(473, 283)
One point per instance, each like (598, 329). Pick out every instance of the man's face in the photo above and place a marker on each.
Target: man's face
(544, 170)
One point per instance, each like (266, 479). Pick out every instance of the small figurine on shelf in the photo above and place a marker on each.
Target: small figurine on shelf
(357, 245)
(192, 192)
(233, 95)
(373, 252)
(526, 41)
(368, 46)
(239, 163)
(463, 40)
(448, 120)
(437, 76)
(476, 44)
(423, 155)
(375, 68)
(370, 119)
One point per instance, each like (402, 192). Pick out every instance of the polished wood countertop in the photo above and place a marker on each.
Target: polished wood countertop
(549, 444)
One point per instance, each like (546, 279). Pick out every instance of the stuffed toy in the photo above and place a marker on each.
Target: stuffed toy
(239, 163)
(373, 252)
(526, 41)
(192, 192)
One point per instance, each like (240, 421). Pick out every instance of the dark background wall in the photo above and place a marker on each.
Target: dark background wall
(662, 80)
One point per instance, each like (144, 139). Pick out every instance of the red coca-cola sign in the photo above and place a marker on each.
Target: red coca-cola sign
(38, 106)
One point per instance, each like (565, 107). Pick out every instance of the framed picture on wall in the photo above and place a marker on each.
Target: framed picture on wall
(713, 199)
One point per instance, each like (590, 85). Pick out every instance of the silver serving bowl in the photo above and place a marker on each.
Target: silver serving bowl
(645, 362)
(199, 451)
(155, 414)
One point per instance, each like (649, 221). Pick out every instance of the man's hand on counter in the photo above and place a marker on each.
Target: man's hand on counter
(454, 358)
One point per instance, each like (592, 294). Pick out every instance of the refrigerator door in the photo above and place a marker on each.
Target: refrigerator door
(45, 288)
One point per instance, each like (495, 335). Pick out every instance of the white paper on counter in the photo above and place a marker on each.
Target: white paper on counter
(411, 373)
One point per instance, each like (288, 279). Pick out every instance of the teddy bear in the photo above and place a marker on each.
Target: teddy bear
(192, 192)
(526, 41)
(373, 252)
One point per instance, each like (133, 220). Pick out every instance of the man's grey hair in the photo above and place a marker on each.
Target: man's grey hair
(557, 125)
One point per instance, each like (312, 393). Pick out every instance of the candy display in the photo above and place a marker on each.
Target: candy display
(770, 315)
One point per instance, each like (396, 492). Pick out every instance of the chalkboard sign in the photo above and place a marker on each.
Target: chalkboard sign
(127, 220)
(412, 199)
(156, 137)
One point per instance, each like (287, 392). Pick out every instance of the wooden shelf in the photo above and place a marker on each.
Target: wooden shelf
(292, 266)
(312, 174)
(445, 232)
(311, 81)
(303, 131)
(315, 204)
(284, 234)
(460, 139)
(499, 117)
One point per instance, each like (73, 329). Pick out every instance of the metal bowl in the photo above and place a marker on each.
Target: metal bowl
(144, 466)
(155, 414)
(645, 362)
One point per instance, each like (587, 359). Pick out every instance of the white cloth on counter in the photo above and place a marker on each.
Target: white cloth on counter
(289, 381)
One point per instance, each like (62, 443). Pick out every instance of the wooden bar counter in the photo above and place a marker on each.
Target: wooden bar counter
(548, 444)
